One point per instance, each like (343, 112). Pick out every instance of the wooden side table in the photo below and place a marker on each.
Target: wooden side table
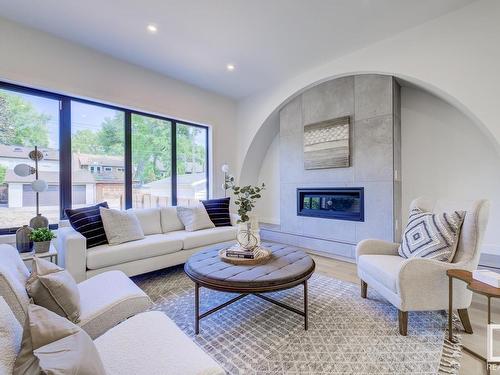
(477, 287)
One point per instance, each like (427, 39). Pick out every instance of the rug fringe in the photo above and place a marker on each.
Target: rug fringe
(452, 351)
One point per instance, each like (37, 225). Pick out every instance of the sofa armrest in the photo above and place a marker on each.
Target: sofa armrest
(72, 252)
(423, 285)
(234, 219)
(376, 247)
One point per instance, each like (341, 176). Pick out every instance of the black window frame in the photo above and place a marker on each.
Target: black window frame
(65, 179)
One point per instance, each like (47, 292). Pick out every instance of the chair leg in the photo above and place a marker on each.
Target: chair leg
(403, 322)
(364, 288)
(464, 318)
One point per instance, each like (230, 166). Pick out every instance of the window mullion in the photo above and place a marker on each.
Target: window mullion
(64, 155)
(128, 159)
(174, 163)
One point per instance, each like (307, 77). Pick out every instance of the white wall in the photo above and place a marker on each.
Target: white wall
(36, 59)
(268, 207)
(445, 156)
(456, 56)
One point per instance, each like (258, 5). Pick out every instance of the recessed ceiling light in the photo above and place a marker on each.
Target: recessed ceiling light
(230, 67)
(152, 28)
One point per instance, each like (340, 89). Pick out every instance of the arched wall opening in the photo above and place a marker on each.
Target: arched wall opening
(446, 153)
(250, 166)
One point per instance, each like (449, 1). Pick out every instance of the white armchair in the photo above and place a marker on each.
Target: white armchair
(105, 300)
(421, 284)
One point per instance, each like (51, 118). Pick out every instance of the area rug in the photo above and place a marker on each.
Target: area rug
(347, 334)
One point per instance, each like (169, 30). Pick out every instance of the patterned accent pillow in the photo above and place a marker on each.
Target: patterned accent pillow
(432, 236)
(88, 222)
(218, 210)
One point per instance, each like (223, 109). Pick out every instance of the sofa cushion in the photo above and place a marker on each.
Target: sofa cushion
(103, 308)
(11, 333)
(149, 246)
(52, 344)
(13, 277)
(169, 220)
(149, 218)
(88, 222)
(54, 288)
(194, 218)
(218, 210)
(150, 343)
(205, 236)
(120, 226)
(384, 268)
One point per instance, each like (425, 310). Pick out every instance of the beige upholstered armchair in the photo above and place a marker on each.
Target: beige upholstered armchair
(421, 284)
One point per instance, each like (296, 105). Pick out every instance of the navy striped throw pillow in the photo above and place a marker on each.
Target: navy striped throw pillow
(88, 222)
(218, 211)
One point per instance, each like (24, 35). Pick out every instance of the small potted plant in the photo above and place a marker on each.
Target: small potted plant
(41, 238)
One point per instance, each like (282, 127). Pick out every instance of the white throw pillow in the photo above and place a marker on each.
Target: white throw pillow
(120, 226)
(169, 220)
(11, 334)
(194, 218)
(149, 218)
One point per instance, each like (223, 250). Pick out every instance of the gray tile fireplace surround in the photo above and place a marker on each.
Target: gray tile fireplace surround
(372, 102)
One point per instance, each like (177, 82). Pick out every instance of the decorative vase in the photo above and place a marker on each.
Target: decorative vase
(39, 221)
(248, 235)
(23, 242)
(41, 247)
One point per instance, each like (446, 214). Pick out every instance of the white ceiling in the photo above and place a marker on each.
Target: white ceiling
(267, 40)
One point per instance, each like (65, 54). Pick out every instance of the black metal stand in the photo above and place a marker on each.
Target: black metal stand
(198, 316)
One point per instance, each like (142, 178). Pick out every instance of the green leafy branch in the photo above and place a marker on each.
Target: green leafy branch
(246, 197)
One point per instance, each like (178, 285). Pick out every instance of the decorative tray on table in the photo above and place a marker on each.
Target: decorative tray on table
(260, 255)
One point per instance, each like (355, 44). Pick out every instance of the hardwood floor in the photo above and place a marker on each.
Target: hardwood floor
(477, 341)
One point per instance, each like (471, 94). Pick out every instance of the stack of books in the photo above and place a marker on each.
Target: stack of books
(239, 252)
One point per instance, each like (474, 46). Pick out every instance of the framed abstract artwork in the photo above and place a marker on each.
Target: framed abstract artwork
(327, 144)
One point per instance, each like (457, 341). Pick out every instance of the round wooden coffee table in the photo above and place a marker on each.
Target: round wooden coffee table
(287, 268)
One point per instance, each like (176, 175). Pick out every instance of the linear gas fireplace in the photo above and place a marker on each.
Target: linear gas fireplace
(331, 203)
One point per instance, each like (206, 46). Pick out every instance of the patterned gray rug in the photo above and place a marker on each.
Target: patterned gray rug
(347, 334)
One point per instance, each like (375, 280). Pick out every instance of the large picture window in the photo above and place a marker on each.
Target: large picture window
(192, 164)
(94, 152)
(97, 158)
(151, 162)
(27, 121)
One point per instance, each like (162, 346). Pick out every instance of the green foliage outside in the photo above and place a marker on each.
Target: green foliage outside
(21, 124)
(41, 235)
(151, 149)
(151, 145)
(3, 171)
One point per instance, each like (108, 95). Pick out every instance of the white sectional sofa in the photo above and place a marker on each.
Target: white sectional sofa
(166, 244)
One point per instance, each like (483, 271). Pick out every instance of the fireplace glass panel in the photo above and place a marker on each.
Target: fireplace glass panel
(331, 203)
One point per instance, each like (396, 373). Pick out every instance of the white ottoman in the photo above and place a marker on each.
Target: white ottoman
(151, 344)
